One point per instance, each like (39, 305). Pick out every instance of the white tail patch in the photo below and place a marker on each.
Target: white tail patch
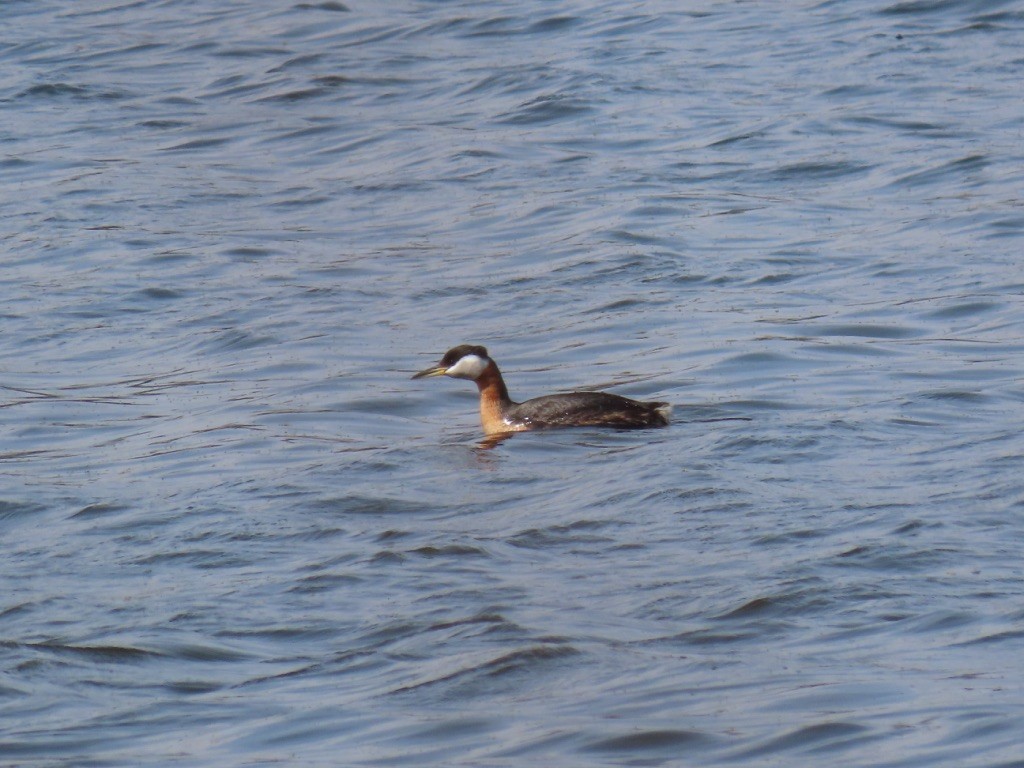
(468, 367)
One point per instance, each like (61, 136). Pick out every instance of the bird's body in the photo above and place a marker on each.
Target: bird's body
(499, 414)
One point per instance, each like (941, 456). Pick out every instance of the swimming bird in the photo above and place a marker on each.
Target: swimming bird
(500, 415)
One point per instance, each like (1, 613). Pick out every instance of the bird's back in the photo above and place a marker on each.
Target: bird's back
(588, 409)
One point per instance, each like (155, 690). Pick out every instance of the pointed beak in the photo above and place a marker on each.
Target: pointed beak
(437, 370)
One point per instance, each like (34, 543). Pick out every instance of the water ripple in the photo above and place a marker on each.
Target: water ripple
(232, 235)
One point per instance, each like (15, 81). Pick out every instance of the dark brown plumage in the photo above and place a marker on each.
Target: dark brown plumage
(588, 409)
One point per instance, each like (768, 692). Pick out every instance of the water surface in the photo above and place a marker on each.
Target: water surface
(236, 533)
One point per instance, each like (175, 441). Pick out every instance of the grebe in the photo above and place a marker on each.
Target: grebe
(575, 409)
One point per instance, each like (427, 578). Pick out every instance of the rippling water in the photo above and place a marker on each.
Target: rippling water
(234, 531)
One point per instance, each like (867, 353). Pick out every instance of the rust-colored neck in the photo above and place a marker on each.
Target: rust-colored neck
(494, 400)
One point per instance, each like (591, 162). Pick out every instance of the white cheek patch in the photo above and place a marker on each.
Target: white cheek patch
(468, 367)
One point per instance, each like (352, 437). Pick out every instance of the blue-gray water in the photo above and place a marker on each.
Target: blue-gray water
(235, 533)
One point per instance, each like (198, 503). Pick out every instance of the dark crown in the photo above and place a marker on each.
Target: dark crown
(453, 355)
